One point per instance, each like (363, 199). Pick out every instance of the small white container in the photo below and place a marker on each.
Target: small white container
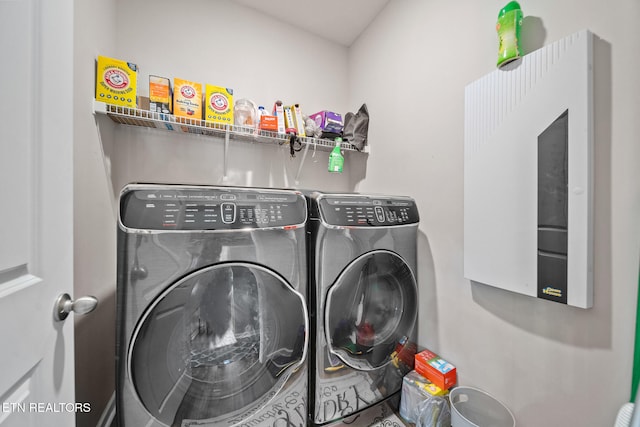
(472, 407)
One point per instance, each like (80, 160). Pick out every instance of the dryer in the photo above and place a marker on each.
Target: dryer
(363, 301)
(211, 306)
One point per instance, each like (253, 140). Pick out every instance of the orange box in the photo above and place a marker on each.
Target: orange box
(159, 94)
(269, 123)
(187, 99)
(436, 369)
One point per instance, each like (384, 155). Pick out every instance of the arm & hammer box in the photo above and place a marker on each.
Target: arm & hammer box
(187, 99)
(436, 369)
(218, 104)
(116, 82)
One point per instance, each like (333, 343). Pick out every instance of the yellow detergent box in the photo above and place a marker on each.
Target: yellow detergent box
(159, 94)
(297, 116)
(116, 82)
(289, 119)
(187, 99)
(218, 104)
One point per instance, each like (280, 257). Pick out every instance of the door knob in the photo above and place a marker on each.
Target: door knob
(65, 305)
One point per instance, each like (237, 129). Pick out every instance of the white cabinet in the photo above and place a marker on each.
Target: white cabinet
(528, 175)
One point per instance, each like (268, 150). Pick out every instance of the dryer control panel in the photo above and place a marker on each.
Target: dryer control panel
(368, 211)
(210, 208)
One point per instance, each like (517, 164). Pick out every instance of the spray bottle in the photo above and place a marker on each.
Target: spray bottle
(336, 160)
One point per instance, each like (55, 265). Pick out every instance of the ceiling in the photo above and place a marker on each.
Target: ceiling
(340, 21)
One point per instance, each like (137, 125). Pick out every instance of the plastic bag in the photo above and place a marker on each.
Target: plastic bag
(434, 412)
(356, 128)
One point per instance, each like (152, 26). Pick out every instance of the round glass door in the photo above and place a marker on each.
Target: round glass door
(371, 309)
(217, 344)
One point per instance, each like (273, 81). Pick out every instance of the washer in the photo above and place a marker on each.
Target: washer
(211, 298)
(363, 301)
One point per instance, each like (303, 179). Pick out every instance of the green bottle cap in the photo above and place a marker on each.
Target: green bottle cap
(512, 5)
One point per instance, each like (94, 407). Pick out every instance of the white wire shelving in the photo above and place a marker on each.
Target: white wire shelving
(227, 132)
(171, 123)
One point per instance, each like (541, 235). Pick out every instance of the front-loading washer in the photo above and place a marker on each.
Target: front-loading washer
(211, 307)
(363, 301)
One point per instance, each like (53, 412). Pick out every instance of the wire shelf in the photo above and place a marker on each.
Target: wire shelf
(168, 122)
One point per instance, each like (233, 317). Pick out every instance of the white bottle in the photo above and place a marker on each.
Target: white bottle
(260, 112)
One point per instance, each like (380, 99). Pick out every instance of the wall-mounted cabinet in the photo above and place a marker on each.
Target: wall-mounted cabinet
(528, 175)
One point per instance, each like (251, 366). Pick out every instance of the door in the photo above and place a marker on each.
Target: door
(371, 311)
(229, 336)
(36, 221)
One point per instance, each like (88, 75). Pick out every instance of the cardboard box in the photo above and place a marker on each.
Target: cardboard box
(116, 82)
(187, 99)
(289, 119)
(328, 121)
(415, 390)
(436, 369)
(160, 94)
(299, 121)
(269, 123)
(218, 104)
(143, 103)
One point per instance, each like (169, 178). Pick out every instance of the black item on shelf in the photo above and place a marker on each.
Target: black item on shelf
(356, 128)
(330, 135)
(294, 144)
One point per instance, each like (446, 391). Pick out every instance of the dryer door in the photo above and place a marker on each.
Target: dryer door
(371, 310)
(218, 345)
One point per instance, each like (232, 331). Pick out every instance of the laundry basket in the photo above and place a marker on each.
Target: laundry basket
(472, 407)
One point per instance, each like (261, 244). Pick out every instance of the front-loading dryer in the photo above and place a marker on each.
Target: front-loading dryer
(211, 307)
(363, 301)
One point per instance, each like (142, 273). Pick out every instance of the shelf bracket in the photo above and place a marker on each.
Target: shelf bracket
(304, 156)
(225, 170)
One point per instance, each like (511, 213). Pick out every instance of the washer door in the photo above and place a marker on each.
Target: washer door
(371, 309)
(218, 344)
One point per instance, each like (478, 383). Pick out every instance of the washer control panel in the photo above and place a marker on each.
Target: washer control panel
(368, 211)
(214, 208)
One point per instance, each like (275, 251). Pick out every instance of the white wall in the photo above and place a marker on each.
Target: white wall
(94, 233)
(552, 365)
(260, 58)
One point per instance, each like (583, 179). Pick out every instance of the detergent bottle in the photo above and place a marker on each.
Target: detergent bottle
(508, 28)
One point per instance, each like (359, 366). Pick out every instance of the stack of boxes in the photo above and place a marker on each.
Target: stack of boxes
(116, 83)
(328, 121)
(432, 376)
